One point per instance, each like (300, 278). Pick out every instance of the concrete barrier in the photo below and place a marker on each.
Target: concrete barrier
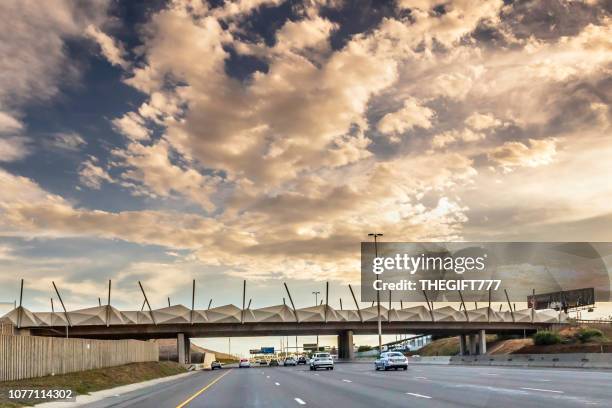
(208, 359)
(567, 360)
(440, 360)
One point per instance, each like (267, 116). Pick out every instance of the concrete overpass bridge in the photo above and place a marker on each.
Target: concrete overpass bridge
(183, 323)
(107, 322)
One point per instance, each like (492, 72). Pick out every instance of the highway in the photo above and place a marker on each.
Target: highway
(358, 385)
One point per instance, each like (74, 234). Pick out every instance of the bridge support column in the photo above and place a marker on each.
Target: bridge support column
(462, 345)
(345, 345)
(472, 344)
(184, 348)
(482, 337)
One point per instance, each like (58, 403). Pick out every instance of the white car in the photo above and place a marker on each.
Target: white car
(321, 360)
(391, 360)
(244, 362)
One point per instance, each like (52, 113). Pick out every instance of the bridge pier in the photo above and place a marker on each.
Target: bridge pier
(345, 345)
(184, 348)
(462, 345)
(482, 337)
(472, 344)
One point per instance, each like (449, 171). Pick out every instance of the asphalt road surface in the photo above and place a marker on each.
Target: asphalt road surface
(358, 385)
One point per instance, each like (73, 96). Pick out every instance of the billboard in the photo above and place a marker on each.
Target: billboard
(563, 300)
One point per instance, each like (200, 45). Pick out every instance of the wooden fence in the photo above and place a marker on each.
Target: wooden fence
(30, 356)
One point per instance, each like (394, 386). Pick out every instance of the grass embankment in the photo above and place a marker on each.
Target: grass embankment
(85, 382)
(576, 339)
(448, 346)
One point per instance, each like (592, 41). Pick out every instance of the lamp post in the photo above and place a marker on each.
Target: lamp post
(376, 235)
(316, 299)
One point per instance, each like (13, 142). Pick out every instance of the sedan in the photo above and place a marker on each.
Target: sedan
(391, 360)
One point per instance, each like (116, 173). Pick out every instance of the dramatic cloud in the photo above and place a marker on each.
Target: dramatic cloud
(268, 140)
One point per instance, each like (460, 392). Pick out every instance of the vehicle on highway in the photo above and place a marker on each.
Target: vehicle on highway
(391, 360)
(273, 362)
(321, 360)
(215, 364)
(290, 361)
(263, 362)
(244, 363)
(302, 360)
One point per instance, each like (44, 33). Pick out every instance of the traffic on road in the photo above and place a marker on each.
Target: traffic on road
(360, 385)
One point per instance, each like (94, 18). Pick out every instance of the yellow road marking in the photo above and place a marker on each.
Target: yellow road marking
(194, 396)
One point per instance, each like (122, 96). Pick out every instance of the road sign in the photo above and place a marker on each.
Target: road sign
(267, 350)
(255, 351)
(564, 300)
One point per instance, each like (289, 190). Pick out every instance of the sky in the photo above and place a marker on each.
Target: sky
(264, 139)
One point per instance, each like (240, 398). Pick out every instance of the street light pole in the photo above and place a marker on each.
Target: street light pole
(316, 299)
(376, 235)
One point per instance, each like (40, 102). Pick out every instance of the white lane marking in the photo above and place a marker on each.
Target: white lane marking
(267, 376)
(277, 384)
(316, 374)
(418, 395)
(540, 389)
(299, 401)
(420, 378)
(347, 380)
(543, 380)
(489, 374)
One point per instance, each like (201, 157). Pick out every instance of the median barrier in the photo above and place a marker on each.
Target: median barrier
(441, 360)
(566, 360)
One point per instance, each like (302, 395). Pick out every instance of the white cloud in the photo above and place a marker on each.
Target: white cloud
(518, 154)
(444, 139)
(481, 121)
(111, 49)
(132, 126)
(92, 175)
(9, 124)
(412, 115)
(13, 148)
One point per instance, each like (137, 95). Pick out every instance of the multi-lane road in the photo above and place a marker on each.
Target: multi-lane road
(358, 385)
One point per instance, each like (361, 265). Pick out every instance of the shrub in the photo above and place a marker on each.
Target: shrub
(364, 348)
(546, 338)
(587, 334)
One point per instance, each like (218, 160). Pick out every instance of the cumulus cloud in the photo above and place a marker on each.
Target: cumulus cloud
(13, 148)
(481, 121)
(410, 116)
(131, 125)
(517, 154)
(33, 39)
(92, 175)
(444, 139)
